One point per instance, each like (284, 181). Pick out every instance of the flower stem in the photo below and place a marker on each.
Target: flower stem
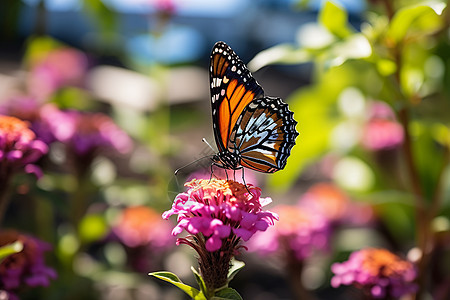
(4, 196)
(422, 220)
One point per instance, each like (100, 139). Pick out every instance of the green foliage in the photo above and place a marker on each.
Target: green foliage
(334, 18)
(413, 22)
(220, 294)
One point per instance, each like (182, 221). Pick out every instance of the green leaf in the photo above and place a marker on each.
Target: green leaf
(334, 18)
(227, 293)
(200, 281)
(236, 266)
(9, 249)
(279, 54)
(413, 20)
(173, 279)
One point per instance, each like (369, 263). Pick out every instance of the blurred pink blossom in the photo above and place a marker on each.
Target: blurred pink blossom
(60, 67)
(19, 148)
(331, 202)
(86, 133)
(298, 232)
(378, 272)
(143, 226)
(381, 131)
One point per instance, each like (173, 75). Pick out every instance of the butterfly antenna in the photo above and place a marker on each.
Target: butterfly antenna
(191, 163)
(209, 145)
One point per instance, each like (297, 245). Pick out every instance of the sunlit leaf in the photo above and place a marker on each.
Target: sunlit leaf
(173, 279)
(315, 111)
(413, 20)
(335, 19)
(200, 281)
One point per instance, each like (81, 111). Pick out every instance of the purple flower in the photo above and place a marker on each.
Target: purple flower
(19, 148)
(378, 272)
(87, 133)
(219, 214)
(298, 234)
(26, 268)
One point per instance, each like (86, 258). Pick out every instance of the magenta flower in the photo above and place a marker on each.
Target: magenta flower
(219, 214)
(378, 272)
(26, 268)
(298, 234)
(19, 148)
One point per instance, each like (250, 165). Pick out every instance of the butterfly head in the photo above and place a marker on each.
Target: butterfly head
(227, 160)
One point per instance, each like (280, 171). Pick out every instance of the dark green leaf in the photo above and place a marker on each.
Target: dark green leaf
(227, 294)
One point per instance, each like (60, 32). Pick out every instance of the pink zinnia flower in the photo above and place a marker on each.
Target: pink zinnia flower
(219, 214)
(26, 268)
(298, 234)
(378, 272)
(19, 148)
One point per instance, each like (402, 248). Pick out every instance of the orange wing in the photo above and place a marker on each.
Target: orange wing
(232, 89)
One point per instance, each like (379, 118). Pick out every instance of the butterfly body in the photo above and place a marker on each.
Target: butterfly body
(251, 130)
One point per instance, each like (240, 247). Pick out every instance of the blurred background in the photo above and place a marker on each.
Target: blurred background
(134, 74)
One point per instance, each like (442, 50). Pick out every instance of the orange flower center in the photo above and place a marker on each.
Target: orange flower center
(384, 263)
(211, 188)
(13, 129)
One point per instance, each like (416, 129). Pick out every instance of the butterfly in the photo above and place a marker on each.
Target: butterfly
(251, 130)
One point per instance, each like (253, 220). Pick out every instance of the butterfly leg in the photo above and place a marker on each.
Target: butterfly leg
(243, 181)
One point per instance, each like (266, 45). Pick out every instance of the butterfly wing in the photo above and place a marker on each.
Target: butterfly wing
(264, 135)
(232, 89)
